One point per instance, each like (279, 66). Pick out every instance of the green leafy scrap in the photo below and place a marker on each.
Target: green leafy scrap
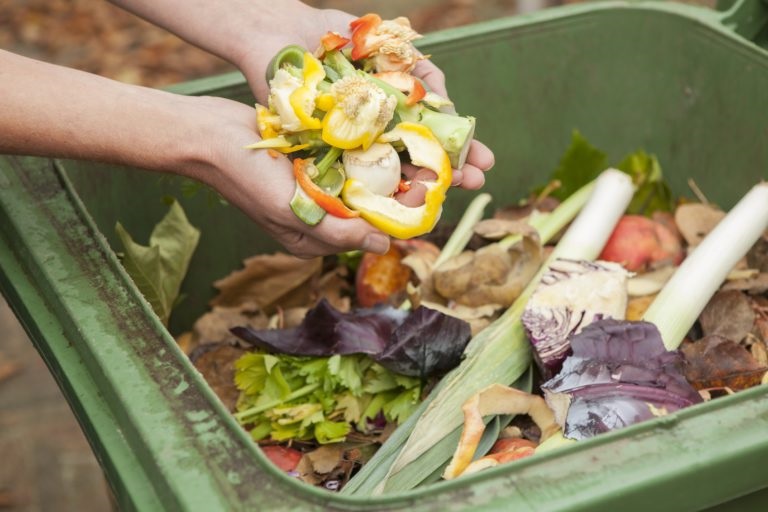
(318, 398)
(159, 268)
(653, 194)
(582, 162)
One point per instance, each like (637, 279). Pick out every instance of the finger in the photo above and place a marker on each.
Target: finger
(472, 177)
(350, 234)
(480, 156)
(432, 76)
(414, 196)
(413, 172)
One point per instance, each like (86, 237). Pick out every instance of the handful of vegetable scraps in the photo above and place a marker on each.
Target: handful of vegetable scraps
(347, 112)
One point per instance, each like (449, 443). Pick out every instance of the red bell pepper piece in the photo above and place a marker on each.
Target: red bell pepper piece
(361, 28)
(333, 41)
(331, 204)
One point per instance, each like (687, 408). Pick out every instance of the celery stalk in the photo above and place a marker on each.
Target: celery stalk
(680, 302)
(498, 354)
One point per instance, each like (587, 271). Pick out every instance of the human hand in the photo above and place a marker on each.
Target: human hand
(308, 26)
(262, 186)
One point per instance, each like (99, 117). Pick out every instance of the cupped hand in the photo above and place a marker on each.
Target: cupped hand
(261, 184)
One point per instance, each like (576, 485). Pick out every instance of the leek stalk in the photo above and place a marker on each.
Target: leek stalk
(498, 354)
(681, 301)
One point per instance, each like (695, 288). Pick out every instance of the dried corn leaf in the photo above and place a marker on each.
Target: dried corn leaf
(717, 362)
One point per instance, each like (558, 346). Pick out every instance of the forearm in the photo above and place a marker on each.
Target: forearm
(49, 110)
(230, 29)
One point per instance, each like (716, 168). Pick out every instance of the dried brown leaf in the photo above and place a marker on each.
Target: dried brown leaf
(286, 318)
(335, 288)
(716, 362)
(490, 275)
(214, 326)
(326, 458)
(216, 362)
(518, 212)
(757, 257)
(696, 220)
(759, 352)
(496, 229)
(478, 317)
(757, 284)
(728, 314)
(269, 280)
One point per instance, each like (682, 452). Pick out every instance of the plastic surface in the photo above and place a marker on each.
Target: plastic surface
(669, 78)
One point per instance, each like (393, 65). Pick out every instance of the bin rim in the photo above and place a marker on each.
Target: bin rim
(37, 201)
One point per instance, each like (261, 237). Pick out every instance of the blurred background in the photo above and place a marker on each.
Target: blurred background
(46, 462)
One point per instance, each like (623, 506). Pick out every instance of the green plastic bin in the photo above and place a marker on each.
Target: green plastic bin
(686, 83)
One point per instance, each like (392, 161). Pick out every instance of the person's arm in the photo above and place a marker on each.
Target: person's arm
(247, 33)
(53, 111)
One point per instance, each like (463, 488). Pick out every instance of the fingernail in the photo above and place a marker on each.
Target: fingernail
(376, 242)
(458, 176)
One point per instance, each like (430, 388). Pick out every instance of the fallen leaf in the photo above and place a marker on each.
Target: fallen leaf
(478, 317)
(216, 362)
(214, 326)
(755, 285)
(159, 268)
(715, 362)
(728, 314)
(757, 257)
(334, 286)
(491, 275)
(268, 280)
(286, 318)
(325, 458)
(519, 212)
(696, 220)
(496, 229)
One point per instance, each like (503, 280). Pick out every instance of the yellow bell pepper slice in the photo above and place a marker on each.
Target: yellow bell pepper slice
(388, 214)
(278, 143)
(267, 122)
(302, 100)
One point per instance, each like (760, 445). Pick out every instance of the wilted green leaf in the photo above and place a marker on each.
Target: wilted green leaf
(653, 193)
(580, 164)
(159, 269)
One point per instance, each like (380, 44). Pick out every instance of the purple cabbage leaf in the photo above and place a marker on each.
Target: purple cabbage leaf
(420, 343)
(619, 374)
